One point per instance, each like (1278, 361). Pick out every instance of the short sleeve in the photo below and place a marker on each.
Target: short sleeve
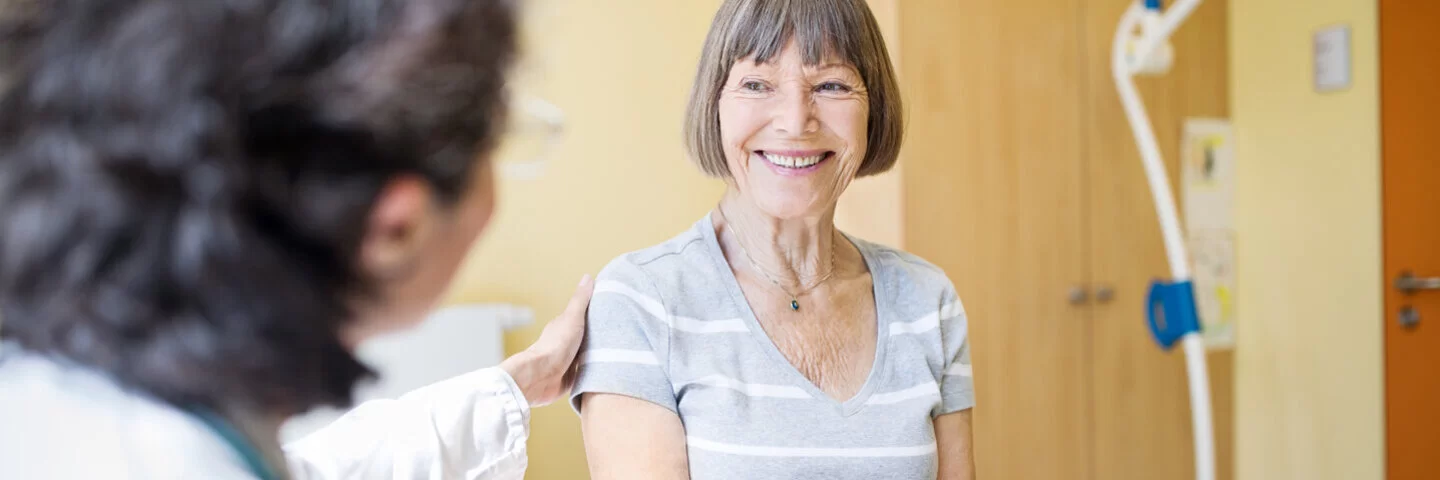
(957, 384)
(627, 340)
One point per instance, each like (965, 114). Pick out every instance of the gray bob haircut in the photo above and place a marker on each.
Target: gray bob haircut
(822, 29)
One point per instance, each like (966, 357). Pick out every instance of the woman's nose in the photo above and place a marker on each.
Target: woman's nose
(795, 114)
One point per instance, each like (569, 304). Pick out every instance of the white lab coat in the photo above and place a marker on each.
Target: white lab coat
(470, 427)
(59, 421)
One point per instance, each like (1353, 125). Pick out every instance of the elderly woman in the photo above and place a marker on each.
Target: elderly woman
(763, 342)
(206, 205)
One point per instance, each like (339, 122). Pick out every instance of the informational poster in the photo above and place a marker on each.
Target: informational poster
(1207, 159)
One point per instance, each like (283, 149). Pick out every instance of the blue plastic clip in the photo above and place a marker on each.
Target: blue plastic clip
(1152, 4)
(1171, 311)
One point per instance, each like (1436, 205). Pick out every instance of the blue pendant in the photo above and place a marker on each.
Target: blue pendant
(795, 305)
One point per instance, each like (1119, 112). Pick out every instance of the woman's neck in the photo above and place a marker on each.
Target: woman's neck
(795, 250)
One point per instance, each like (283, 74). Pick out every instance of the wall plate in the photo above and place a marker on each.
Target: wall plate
(1332, 59)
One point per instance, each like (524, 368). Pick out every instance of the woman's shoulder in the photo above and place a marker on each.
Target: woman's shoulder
(686, 255)
(907, 268)
(924, 296)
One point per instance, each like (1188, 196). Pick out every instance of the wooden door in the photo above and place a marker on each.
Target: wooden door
(1141, 415)
(1410, 145)
(993, 195)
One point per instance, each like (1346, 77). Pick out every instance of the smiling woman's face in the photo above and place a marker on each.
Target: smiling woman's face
(794, 134)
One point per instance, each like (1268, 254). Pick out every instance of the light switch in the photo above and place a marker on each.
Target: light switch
(1332, 59)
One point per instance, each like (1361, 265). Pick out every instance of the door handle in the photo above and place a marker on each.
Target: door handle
(1104, 294)
(1078, 295)
(1410, 284)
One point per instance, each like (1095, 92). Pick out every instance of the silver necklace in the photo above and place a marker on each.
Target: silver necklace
(794, 297)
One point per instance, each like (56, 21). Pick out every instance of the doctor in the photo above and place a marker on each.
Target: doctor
(206, 205)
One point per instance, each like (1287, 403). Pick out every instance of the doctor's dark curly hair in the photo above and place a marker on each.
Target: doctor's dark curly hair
(184, 183)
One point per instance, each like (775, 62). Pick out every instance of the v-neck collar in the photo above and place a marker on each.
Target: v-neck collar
(878, 281)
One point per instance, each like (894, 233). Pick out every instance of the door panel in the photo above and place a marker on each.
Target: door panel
(993, 195)
(1409, 67)
(1141, 414)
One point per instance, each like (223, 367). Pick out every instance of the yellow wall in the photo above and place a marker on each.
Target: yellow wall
(872, 208)
(1309, 368)
(621, 70)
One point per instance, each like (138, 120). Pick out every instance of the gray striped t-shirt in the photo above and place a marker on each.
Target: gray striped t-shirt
(670, 325)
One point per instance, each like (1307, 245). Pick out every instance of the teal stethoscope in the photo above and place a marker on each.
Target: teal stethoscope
(248, 452)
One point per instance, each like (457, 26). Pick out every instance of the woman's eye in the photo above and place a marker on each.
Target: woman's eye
(833, 87)
(753, 86)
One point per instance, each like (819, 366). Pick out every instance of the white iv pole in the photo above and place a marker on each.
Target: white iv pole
(1142, 47)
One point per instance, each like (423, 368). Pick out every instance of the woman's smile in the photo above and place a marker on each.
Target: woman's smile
(794, 162)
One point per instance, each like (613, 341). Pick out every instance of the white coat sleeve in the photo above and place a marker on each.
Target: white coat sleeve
(473, 426)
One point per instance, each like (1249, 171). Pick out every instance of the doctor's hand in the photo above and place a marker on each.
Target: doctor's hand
(544, 370)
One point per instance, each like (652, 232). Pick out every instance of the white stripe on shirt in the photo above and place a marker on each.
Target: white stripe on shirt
(617, 355)
(749, 389)
(924, 324)
(657, 310)
(927, 389)
(928, 322)
(951, 310)
(960, 370)
(851, 452)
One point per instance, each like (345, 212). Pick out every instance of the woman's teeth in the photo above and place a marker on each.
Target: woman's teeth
(793, 162)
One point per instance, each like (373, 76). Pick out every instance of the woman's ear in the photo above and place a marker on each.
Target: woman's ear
(401, 224)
